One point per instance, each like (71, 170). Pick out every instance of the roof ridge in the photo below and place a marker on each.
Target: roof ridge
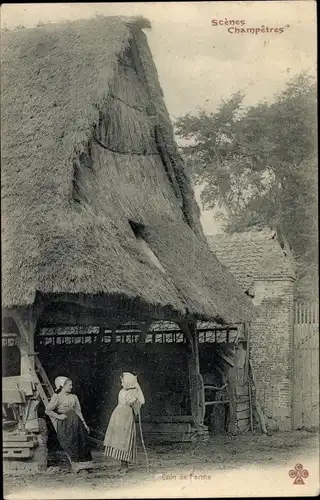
(137, 22)
(263, 233)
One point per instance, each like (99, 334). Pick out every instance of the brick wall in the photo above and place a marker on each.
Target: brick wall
(272, 348)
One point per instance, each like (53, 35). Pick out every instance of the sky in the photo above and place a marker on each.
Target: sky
(198, 63)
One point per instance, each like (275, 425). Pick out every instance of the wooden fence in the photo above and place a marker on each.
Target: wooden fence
(306, 366)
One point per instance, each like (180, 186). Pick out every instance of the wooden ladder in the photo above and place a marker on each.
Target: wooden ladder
(44, 385)
(45, 388)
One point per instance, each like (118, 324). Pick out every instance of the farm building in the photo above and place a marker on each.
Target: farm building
(100, 230)
(284, 347)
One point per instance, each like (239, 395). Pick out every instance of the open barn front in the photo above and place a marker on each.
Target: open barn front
(224, 363)
(95, 364)
(94, 359)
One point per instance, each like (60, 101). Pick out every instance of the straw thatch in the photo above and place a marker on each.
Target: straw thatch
(87, 147)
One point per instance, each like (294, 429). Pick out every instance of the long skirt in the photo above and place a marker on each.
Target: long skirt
(120, 439)
(73, 439)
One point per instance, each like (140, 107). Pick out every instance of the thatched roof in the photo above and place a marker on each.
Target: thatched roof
(87, 146)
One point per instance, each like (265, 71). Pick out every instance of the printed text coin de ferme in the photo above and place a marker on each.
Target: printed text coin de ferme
(185, 477)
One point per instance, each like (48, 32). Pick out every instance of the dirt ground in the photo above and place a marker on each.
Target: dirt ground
(185, 470)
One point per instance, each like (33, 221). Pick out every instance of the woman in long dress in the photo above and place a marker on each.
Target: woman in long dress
(72, 430)
(120, 438)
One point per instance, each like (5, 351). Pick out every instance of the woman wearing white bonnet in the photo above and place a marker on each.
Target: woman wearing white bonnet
(72, 430)
(120, 437)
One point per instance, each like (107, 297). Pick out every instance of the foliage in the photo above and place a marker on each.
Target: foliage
(258, 163)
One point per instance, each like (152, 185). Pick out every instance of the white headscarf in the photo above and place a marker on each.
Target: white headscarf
(129, 381)
(60, 381)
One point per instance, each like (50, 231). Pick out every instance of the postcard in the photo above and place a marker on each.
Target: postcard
(160, 297)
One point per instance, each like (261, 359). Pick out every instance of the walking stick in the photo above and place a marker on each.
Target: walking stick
(143, 445)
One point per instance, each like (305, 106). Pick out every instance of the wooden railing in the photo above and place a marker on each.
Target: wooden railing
(306, 366)
(306, 313)
(72, 336)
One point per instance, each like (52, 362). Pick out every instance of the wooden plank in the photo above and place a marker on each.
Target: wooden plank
(225, 358)
(242, 398)
(243, 406)
(213, 387)
(12, 396)
(258, 407)
(233, 400)
(250, 404)
(17, 453)
(246, 363)
(307, 353)
(7, 437)
(298, 372)
(41, 371)
(210, 403)
(244, 425)
(244, 414)
(19, 444)
(242, 391)
(197, 396)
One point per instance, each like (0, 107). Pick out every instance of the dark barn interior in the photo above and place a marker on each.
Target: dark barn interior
(161, 365)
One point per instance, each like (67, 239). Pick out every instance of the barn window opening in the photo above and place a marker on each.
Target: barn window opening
(138, 231)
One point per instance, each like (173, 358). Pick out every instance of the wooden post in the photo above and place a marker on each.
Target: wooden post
(144, 328)
(184, 327)
(257, 402)
(232, 426)
(197, 396)
(246, 365)
(100, 335)
(26, 323)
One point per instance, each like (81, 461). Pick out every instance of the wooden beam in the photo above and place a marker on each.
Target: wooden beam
(225, 358)
(184, 327)
(26, 321)
(197, 395)
(209, 403)
(246, 364)
(232, 426)
(258, 407)
(213, 387)
(100, 335)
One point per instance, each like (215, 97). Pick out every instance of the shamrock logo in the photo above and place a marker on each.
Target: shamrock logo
(298, 474)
